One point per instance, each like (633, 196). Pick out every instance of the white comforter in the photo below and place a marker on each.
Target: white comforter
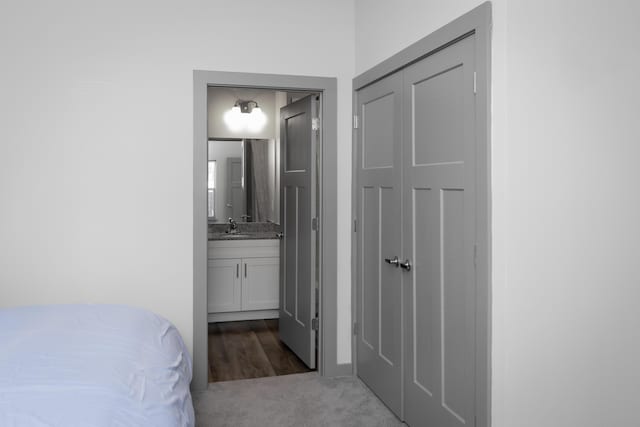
(92, 365)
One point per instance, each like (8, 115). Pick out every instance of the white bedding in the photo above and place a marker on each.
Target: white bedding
(92, 365)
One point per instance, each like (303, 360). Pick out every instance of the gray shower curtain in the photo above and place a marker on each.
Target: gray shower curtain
(258, 198)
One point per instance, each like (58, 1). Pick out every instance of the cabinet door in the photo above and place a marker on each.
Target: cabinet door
(260, 283)
(223, 285)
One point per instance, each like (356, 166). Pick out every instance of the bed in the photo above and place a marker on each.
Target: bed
(92, 365)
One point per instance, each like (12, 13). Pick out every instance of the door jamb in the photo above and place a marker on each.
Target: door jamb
(327, 341)
(478, 22)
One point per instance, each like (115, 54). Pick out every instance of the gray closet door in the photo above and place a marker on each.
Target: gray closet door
(379, 291)
(439, 236)
(297, 208)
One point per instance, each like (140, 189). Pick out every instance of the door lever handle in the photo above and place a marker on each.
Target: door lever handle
(393, 261)
(406, 265)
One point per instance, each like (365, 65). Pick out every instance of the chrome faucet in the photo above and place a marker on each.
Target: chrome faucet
(233, 227)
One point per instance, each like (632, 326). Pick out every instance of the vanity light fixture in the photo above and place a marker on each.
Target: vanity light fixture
(245, 115)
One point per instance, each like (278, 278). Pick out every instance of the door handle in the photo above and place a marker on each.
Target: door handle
(245, 270)
(393, 261)
(406, 265)
(237, 270)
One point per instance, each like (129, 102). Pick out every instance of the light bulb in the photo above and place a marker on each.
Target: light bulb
(257, 120)
(234, 119)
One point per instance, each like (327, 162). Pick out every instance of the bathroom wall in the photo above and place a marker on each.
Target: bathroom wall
(221, 99)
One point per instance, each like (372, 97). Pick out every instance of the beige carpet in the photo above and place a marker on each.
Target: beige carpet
(300, 400)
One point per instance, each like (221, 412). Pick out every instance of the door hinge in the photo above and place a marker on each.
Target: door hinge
(355, 328)
(315, 224)
(355, 225)
(475, 83)
(355, 122)
(315, 123)
(315, 324)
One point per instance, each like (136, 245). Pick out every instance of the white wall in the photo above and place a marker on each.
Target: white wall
(96, 131)
(565, 204)
(572, 319)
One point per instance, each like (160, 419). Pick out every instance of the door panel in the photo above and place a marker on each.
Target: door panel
(426, 241)
(298, 250)
(437, 100)
(296, 154)
(439, 236)
(290, 246)
(455, 343)
(370, 272)
(376, 150)
(379, 292)
(390, 289)
(305, 275)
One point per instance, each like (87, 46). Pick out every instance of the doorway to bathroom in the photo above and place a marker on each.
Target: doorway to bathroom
(262, 248)
(264, 197)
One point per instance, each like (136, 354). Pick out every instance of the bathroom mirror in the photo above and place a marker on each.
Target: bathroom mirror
(243, 180)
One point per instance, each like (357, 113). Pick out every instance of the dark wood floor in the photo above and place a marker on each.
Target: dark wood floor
(249, 349)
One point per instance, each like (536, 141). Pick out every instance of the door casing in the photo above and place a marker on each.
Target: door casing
(478, 22)
(327, 344)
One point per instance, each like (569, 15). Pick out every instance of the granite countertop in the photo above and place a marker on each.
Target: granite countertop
(246, 231)
(259, 235)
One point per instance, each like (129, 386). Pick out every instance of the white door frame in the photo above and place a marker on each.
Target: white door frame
(327, 343)
(478, 22)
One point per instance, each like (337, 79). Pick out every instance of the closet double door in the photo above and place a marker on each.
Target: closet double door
(416, 233)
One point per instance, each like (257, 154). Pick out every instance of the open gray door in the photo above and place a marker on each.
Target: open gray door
(379, 223)
(297, 210)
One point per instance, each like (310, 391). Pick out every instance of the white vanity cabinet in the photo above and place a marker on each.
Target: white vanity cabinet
(243, 279)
